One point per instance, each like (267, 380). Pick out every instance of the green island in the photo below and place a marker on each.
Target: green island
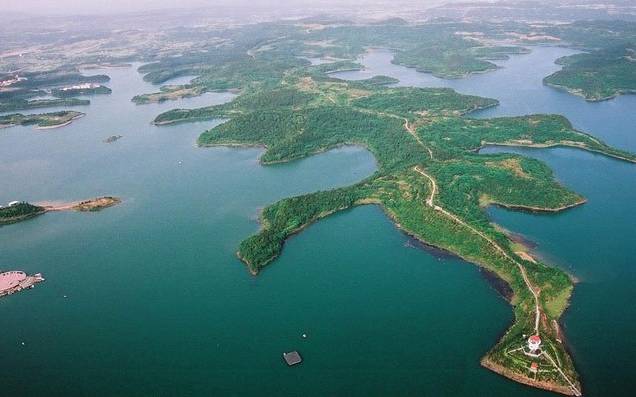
(606, 69)
(599, 75)
(82, 89)
(431, 181)
(453, 59)
(23, 91)
(168, 93)
(24, 104)
(41, 121)
(113, 138)
(20, 211)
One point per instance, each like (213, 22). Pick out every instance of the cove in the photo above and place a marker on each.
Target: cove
(149, 295)
(158, 303)
(593, 242)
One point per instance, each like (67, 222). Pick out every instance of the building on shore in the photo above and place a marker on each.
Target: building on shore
(16, 281)
(534, 346)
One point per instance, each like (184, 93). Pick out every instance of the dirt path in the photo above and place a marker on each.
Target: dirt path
(407, 126)
(576, 391)
(522, 269)
(430, 202)
(411, 130)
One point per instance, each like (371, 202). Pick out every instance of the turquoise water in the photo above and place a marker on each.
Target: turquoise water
(594, 242)
(519, 88)
(157, 303)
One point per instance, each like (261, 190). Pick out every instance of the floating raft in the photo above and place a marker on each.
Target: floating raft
(292, 358)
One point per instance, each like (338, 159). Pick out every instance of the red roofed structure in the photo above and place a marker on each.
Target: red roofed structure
(534, 367)
(534, 343)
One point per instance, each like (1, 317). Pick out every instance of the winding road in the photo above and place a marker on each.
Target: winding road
(522, 269)
(430, 202)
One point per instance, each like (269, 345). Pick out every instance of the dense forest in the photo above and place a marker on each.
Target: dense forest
(73, 92)
(42, 120)
(430, 178)
(18, 212)
(23, 104)
(598, 75)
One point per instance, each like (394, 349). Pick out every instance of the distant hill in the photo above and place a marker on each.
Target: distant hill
(575, 10)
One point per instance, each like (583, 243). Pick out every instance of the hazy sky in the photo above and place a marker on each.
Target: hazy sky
(84, 6)
(114, 6)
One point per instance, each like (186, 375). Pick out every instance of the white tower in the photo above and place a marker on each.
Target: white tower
(534, 343)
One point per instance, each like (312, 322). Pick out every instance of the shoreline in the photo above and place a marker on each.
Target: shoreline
(43, 207)
(500, 286)
(97, 66)
(537, 210)
(17, 219)
(184, 120)
(50, 127)
(275, 162)
(90, 205)
(505, 372)
(263, 222)
(464, 75)
(485, 144)
(579, 92)
(493, 277)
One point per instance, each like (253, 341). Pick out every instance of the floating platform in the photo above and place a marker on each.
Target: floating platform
(292, 358)
(16, 281)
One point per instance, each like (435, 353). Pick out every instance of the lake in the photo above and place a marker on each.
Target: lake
(594, 242)
(149, 296)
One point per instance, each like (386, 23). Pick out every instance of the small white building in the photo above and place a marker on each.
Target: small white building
(534, 343)
(12, 203)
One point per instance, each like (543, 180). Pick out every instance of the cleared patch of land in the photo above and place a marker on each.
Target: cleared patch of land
(95, 204)
(169, 93)
(22, 211)
(23, 104)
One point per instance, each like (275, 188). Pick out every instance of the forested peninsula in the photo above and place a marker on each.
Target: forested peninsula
(431, 181)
